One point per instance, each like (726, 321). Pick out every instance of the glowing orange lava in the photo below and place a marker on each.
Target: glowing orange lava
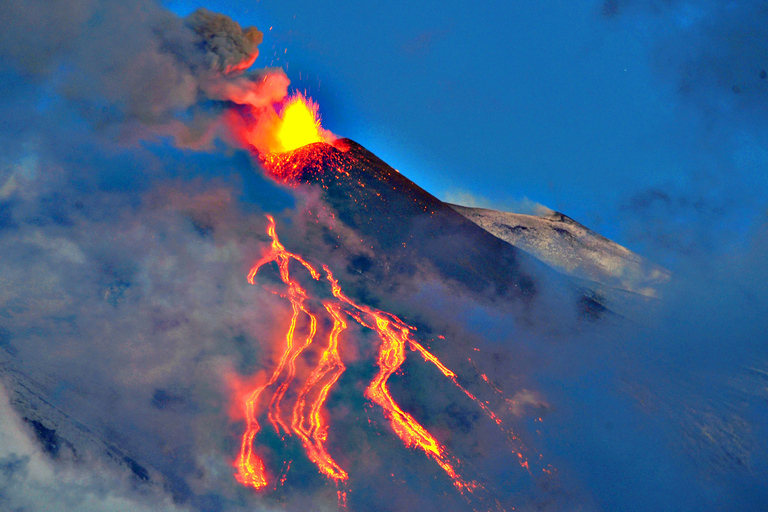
(307, 420)
(394, 336)
(299, 124)
(273, 129)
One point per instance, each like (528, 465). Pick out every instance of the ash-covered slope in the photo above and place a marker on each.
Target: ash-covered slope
(61, 436)
(407, 226)
(572, 248)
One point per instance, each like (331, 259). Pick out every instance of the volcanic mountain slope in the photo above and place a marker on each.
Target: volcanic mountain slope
(405, 226)
(571, 248)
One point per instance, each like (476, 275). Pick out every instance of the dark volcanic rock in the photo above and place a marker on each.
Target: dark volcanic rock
(47, 437)
(404, 222)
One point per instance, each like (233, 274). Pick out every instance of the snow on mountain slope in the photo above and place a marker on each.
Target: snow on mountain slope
(572, 249)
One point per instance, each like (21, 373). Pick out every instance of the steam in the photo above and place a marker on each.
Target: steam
(29, 480)
(525, 206)
(711, 59)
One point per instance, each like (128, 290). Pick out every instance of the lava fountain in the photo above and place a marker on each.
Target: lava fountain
(278, 129)
(299, 124)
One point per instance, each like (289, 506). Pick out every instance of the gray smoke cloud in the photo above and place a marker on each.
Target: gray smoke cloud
(29, 480)
(135, 70)
(128, 318)
(103, 224)
(228, 46)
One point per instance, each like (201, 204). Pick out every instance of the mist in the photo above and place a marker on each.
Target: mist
(130, 216)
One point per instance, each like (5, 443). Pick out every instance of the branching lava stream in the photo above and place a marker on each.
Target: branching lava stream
(307, 420)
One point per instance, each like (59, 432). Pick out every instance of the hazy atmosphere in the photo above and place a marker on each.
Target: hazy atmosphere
(134, 195)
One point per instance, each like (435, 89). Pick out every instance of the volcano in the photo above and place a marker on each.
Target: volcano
(382, 234)
(209, 302)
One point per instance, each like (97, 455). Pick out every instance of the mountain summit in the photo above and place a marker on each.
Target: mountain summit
(405, 226)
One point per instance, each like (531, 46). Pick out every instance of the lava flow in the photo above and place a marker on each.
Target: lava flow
(307, 419)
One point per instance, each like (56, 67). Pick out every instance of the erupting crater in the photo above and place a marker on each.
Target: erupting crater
(299, 124)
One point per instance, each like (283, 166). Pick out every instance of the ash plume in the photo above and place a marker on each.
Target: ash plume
(100, 100)
(229, 47)
(137, 71)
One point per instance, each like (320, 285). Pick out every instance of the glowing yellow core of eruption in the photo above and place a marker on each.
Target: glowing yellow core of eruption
(300, 124)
